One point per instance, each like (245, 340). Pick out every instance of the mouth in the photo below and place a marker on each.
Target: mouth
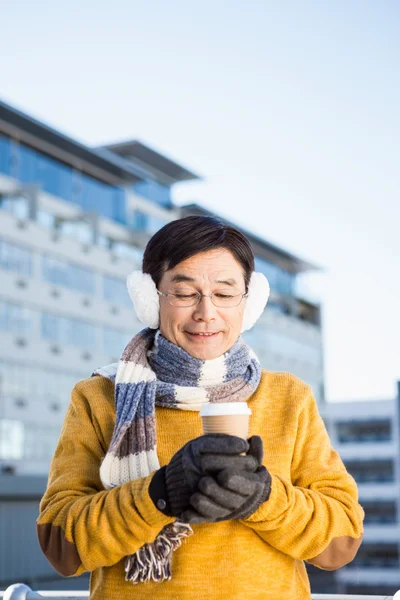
(202, 335)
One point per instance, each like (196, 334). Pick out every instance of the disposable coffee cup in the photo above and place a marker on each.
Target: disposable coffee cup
(226, 417)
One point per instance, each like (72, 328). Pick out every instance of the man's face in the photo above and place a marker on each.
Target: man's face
(206, 272)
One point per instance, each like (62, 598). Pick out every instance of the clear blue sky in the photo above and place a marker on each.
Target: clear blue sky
(290, 111)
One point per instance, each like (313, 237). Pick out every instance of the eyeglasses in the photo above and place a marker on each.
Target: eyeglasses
(187, 298)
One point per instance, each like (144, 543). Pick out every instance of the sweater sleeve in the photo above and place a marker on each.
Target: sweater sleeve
(315, 516)
(81, 526)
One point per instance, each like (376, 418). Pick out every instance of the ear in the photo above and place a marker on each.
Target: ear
(143, 293)
(257, 298)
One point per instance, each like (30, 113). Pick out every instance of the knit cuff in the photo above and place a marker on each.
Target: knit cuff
(144, 504)
(178, 490)
(158, 492)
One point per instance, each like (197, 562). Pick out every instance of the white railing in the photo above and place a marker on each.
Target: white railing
(20, 591)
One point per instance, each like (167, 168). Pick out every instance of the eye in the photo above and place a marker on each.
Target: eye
(185, 296)
(223, 296)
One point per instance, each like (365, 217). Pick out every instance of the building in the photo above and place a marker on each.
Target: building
(367, 436)
(73, 223)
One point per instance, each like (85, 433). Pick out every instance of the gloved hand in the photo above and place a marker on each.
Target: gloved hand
(233, 494)
(172, 486)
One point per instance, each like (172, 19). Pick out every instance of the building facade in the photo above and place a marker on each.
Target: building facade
(73, 223)
(367, 436)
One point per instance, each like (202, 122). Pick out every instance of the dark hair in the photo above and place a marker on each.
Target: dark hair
(183, 238)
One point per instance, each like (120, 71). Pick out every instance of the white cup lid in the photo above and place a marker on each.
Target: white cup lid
(217, 409)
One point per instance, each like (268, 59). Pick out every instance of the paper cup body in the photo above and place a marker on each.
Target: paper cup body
(231, 418)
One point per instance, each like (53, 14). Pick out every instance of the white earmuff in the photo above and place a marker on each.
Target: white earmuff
(143, 293)
(256, 301)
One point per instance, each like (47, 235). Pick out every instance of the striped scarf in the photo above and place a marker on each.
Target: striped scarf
(153, 371)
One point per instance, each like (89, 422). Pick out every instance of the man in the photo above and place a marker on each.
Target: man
(153, 508)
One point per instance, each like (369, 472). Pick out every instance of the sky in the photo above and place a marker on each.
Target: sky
(289, 111)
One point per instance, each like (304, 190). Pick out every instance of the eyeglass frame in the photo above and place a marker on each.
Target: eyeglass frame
(200, 296)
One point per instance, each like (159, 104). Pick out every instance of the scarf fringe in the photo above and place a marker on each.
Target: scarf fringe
(152, 562)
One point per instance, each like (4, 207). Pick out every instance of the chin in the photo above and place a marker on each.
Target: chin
(204, 354)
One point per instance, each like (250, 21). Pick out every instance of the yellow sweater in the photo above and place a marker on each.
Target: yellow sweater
(312, 510)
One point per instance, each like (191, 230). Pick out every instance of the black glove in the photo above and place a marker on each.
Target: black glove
(172, 486)
(233, 494)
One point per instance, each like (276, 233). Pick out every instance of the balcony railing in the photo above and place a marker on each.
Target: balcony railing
(20, 591)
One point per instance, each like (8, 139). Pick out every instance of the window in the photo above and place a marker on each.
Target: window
(45, 219)
(15, 318)
(81, 231)
(140, 220)
(290, 347)
(376, 555)
(40, 441)
(129, 252)
(41, 385)
(11, 439)
(54, 176)
(15, 258)
(5, 155)
(155, 191)
(380, 511)
(16, 205)
(371, 471)
(102, 198)
(63, 330)
(61, 272)
(376, 430)
(115, 291)
(280, 280)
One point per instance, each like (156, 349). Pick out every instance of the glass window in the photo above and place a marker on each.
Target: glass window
(140, 220)
(61, 272)
(380, 511)
(15, 318)
(81, 231)
(17, 206)
(280, 280)
(79, 333)
(54, 176)
(102, 198)
(376, 555)
(288, 346)
(371, 471)
(115, 291)
(377, 430)
(63, 181)
(63, 330)
(5, 155)
(36, 383)
(40, 441)
(129, 252)
(155, 191)
(15, 258)
(45, 219)
(51, 327)
(11, 439)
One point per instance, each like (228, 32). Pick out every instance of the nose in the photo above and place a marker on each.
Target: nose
(205, 310)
